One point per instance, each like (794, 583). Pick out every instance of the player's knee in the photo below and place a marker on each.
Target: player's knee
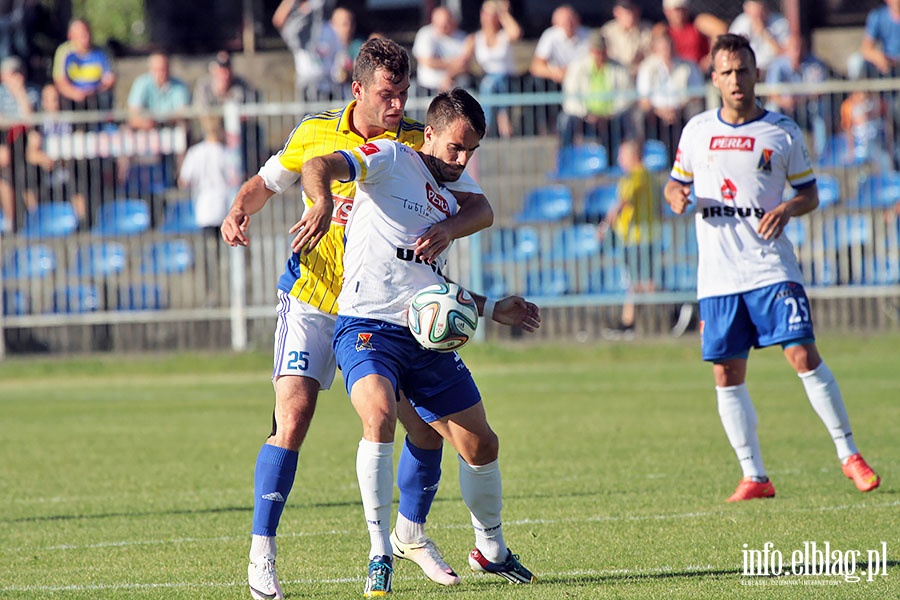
(484, 450)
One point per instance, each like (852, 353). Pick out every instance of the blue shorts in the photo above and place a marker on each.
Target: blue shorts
(775, 314)
(437, 384)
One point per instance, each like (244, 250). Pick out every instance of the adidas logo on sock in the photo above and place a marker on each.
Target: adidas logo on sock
(274, 497)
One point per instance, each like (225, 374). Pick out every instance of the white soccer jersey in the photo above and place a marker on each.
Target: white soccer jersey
(739, 173)
(397, 200)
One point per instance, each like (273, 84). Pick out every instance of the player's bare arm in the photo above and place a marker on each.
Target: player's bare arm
(318, 173)
(250, 199)
(678, 196)
(475, 213)
(514, 311)
(773, 222)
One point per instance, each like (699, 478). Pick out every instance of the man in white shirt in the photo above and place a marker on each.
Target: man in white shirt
(439, 49)
(400, 195)
(767, 31)
(749, 284)
(559, 45)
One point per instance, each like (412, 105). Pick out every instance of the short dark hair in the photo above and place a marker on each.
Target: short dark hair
(380, 53)
(733, 43)
(455, 104)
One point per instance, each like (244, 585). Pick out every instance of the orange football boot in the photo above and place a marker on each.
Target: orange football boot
(748, 489)
(863, 476)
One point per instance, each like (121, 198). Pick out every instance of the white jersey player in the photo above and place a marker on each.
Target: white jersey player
(738, 159)
(400, 194)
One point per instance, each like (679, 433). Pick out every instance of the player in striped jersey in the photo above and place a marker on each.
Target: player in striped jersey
(738, 159)
(307, 294)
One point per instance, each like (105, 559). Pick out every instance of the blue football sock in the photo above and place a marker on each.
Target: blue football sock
(274, 477)
(418, 476)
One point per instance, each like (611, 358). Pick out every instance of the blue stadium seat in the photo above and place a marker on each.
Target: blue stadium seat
(180, 218)
(547, 203)
(76, 299)
(609, 279)
(878, 190)
(580, 162)
(168, 257)
(99, 259)
(829, 190)
(547, 282)
(54, 219)
(15, 302)
(141, 297)
(656, 156)
(835, 153)
(847, 230)
(33, 261)
(146, 180)
(518, 244)
(493, 285)
(796, 231)
(123, 217)
(576, 242)
(598, 201)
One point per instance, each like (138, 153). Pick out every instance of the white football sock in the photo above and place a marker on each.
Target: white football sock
(408, 531)
(739, 420)
(482, 491)
(261, 546)
(375, 473)
(825, 397)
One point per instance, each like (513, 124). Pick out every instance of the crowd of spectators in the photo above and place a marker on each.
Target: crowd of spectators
(626, 79)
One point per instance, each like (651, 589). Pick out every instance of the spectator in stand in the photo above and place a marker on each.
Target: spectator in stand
(863, 117)
(83, 73)
(634, 218)
(156, 99)
(439, 50)
(156, 95)
(664, 84)
(627, 37)
(597, 98)
(314, 44)
(221, 85)
(210, 172)
(343, 23)
(18, 99)
(880, 48)
(492, 48)
(51, 179)
(809, 110)
(767, 31)
(559, 45)
(691, 34)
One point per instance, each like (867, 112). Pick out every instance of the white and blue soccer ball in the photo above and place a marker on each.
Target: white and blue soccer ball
(442, 317)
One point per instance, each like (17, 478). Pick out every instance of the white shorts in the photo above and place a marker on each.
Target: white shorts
(303, 341)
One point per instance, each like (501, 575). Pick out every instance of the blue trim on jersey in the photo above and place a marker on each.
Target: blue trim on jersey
(691, 182)
(437, 384)
(770, 315)
(804, 185)
(350, 163)
(736, 125)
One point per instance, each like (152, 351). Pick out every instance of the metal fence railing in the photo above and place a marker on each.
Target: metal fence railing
(133, 272)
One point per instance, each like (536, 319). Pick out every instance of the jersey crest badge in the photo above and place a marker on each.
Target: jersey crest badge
(729, 191)
(369, 149)
(765, 161)
(364, 342)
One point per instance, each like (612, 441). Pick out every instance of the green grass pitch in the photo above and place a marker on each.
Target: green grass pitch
(131, 477)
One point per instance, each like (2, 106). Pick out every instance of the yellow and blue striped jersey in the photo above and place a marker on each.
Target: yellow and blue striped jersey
(316, 278)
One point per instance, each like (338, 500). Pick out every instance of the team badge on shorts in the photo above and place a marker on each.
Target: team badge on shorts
(364, 342)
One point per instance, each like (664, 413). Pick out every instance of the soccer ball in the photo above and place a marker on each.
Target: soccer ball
(442, 317)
